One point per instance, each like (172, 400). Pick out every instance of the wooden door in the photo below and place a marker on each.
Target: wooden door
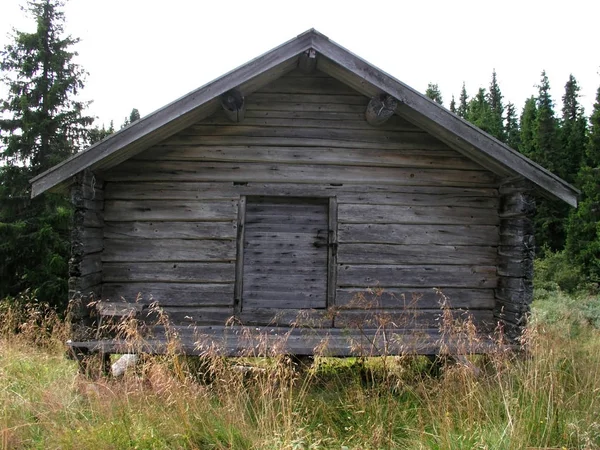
(285, 254)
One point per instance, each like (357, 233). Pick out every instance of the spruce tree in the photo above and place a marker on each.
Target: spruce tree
(512, 132)
(527, 140)
(463, 102)
(479, 112)
(551, 215)
(42, 123)
(453, 105)
(573, 129)
(583, 241)
(496, 121)
(434, 93)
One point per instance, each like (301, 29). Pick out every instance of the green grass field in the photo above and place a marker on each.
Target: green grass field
(548, 398)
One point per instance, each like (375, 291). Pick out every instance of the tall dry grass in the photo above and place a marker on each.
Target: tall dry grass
(547, 397)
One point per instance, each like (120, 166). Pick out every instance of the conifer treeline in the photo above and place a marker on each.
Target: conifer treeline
(568, 144)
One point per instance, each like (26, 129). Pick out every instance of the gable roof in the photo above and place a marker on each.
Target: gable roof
(335, 61)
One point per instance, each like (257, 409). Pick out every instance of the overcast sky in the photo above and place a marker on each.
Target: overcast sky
(146, 53)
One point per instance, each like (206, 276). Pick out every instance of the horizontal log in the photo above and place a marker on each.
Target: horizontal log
(405, 199)
(89, 264)
(516, 252)
(121, 250)
(414, 298)
(195, 316)
(517, 205)
(170, 230)
(169, 272)
(297, 173)
(170, 294)
(93, 219)
(516, 297)
(198, 135)
(415, 319)
(508, 267)
(127, 211)
(314, 296)
(371, 214)
(515, 284)
(320, 98)
(422, 276)
(270, 341)
(423, 158)
(313, 318)
(416, 254)
(83, 283)
(417, 234)
(268, 103)
(315, 119)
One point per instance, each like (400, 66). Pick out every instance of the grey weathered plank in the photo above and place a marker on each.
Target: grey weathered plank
(283, 300)
(198, 133)
(171, 294)
(417, 276)
(416, 254)
(296, 173)
(168, 250)
(269, 97)
(418, 318)
(418, 234)
(268, 102)
(169, 272)
(314, 318)
(314, 155)
(125, 210)
(189, 316)
(365, 213)
(415, 298)
(170, 230)
(348, 193)
(90, 264)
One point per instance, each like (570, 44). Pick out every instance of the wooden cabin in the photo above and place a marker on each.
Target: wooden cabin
(309, 201)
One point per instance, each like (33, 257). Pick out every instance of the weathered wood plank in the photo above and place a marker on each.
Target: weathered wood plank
(418, 234)
(313, 318)
(415, 298)
(416, 254)
(169, 272)
(187, 316)
(90, 264)
(296, 173)
(263, 103)
(170, 230)
(321, 98)
(122, 250)
(365, 213)
(127, 211)
(316, 119)
(198, 133)
(440, 276)
(171, 294)
(418, 318)
(283, 300)
(313, 155)
(348, 193)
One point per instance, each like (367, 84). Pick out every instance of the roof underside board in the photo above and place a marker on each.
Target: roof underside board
(336, 62)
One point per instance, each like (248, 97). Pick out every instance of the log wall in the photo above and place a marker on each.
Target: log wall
(412, 214)
(515, 258)
(85, 265)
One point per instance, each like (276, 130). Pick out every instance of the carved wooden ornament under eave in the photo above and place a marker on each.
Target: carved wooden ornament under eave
(234, 105)
(380, 109)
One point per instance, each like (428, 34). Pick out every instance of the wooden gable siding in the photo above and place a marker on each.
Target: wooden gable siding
(412, 214)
